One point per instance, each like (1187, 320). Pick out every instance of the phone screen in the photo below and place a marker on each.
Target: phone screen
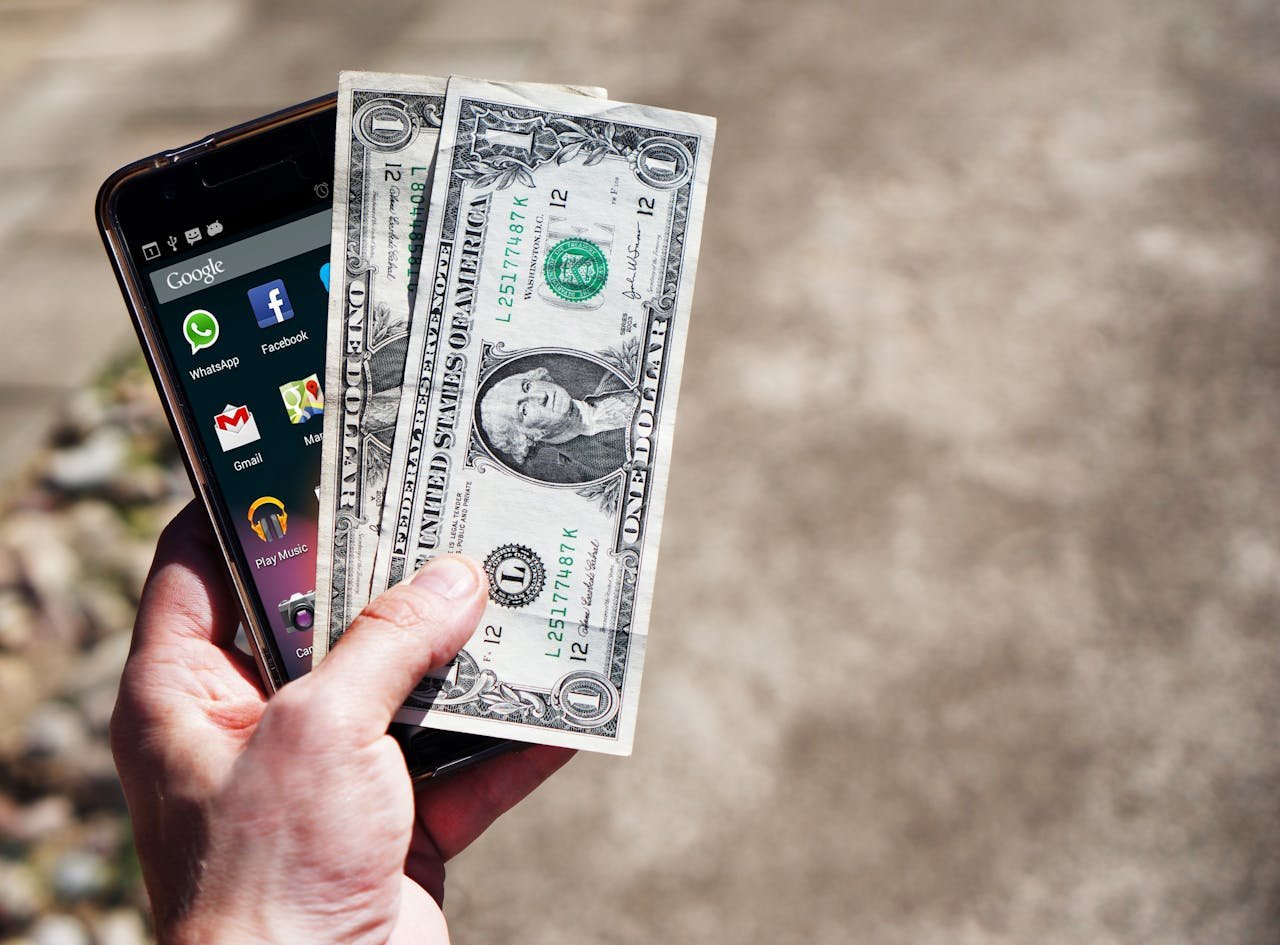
(244, 325)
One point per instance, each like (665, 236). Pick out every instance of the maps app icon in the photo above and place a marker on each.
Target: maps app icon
(303, 399)
(235, 427)
(270, 303)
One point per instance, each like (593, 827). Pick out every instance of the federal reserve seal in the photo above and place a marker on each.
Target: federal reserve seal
(575, 269)
(516, 575)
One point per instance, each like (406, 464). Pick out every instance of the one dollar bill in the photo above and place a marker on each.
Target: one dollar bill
(539, 399)
(387, 128)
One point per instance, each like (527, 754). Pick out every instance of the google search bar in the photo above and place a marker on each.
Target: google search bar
(240, 258)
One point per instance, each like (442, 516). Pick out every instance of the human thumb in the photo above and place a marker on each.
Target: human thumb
(399, 636)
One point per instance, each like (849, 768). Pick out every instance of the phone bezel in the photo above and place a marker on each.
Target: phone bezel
(429, 753)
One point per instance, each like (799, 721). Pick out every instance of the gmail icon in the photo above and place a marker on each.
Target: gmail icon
(236, 427)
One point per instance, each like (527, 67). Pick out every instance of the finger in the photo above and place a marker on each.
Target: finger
(456, 811)
(424, 867)
(186, 595)
(420, 919)
(400, 636)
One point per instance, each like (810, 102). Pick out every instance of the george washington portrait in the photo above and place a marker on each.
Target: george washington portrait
(557, 417)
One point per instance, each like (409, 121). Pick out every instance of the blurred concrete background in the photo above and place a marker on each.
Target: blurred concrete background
(965, 627)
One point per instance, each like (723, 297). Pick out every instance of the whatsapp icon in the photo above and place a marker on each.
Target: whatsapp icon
(200, 329)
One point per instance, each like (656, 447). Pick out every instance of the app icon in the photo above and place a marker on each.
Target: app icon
(214, 228)
(299, 612)
(151, 250)
(235, 427)
(303, 399)
(270, 304)
(200, 329)
(267, 518)
(192, 235)
(324, 275)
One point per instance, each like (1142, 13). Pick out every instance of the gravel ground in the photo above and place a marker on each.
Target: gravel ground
(76, 540)
(965, 627)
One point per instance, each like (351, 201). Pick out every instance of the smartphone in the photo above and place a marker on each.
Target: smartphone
(221, 249)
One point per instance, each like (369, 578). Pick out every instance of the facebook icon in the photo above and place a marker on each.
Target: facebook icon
(270, 304)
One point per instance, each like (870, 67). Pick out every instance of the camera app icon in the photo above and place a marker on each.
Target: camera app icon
(299, 612)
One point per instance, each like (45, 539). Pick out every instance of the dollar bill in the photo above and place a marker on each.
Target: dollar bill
(387, 129)
(539, 399)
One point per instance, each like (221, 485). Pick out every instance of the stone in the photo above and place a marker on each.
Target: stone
(32, 823)
(96, 783)
(18, 689)
(97, 704)
(135, 566)
(50, 569)
(54, 730)
(10, 576)
(103, 834)
(119, 927)
(38, 539)
(139, 484)
(96, 530)
(16, 619)
(106, 610)
(59, 930)
(9, 810)
(21, 895)
(103, 663)
(79, 875)
(85, 412)
(91, 464)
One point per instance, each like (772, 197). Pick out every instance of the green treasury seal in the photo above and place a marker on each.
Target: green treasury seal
(576, 269)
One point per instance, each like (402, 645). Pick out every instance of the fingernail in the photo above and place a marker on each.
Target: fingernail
(448, 577)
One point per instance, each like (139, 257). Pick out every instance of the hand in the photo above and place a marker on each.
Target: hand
(294, 819)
